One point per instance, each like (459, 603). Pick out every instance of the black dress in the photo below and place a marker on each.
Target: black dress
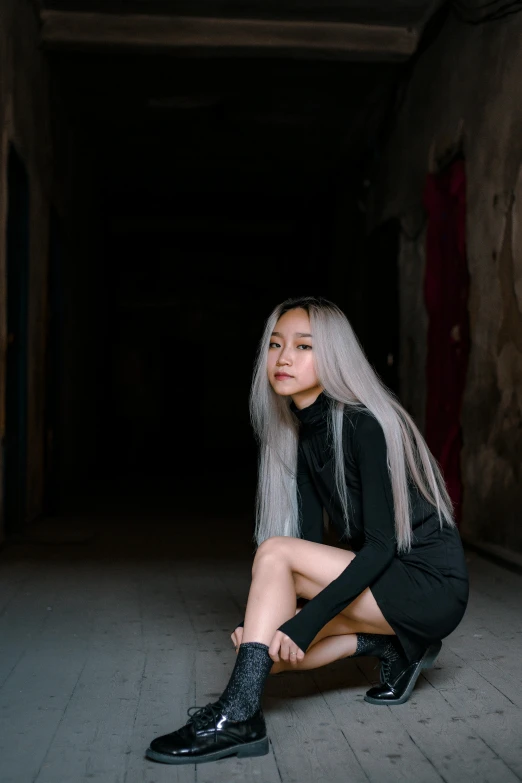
(422, 594)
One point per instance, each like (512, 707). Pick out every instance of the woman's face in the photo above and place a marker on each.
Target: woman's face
(291, 363)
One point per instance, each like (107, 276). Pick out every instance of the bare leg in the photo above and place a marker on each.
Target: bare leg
(333, 642)
(271, 599)
(285, 567)
(333, 648)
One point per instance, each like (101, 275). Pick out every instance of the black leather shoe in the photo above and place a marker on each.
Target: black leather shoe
(401, 681)
(209, 735)
(391, 664)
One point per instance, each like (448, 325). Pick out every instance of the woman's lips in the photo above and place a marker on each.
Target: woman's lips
(283, 377)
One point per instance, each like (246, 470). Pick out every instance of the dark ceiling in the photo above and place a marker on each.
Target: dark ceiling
(393, 12)
(158, 115)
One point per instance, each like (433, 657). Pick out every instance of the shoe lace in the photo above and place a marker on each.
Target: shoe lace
(385, 670)
(210, 713)
(387, 662)
(385, 666)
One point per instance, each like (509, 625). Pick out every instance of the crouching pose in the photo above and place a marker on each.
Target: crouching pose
(332, 437)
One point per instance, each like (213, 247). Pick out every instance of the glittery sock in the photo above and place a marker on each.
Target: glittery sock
(383, 646)
(242, 696)
(375, 644)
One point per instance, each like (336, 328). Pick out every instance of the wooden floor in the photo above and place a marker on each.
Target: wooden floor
(112, 626)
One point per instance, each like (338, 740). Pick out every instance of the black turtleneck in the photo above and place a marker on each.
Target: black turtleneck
(371, 510)
(313, 413)
(421, 593)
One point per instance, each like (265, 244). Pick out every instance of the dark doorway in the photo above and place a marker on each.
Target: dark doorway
(191, 284)
(15, 444)
(221, 190)
(446, 291)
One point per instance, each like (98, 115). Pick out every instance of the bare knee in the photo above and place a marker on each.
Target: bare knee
(272, 545)
(272, 549)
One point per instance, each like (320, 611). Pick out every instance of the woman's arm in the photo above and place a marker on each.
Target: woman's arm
(379, 530)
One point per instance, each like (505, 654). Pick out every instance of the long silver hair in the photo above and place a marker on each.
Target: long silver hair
(348, 380)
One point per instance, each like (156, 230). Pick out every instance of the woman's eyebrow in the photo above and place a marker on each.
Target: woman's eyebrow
(296, 334)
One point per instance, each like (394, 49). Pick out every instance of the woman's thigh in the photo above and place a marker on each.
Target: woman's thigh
(314, 566)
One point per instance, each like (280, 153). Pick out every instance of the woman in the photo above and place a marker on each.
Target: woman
(332, 436)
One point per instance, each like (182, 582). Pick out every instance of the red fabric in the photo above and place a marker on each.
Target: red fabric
(446, 287)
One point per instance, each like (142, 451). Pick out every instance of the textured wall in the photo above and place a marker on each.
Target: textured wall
(467, 86)
(25, 120)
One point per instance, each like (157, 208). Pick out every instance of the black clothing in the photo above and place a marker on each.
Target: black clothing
(423, 593)
(398, 681)
(209, 735)
(242, 696)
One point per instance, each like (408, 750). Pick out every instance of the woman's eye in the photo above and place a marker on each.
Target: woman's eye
(302, 345)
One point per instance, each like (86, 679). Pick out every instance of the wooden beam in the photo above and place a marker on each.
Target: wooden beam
(367, 41)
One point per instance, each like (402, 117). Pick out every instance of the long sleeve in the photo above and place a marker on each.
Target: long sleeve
(379, 547)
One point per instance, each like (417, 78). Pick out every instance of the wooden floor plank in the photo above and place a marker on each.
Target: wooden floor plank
(308, 742)
(446, 738)
(92, 737)
(492, 716)
(383, 747)
(46, 632)
(492, 579)
(25, 616)
(106, 644)
(168, 683)
(213, 613)
(14, 576)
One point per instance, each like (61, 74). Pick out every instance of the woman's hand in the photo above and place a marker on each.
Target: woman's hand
(237, 636)
(282, 646)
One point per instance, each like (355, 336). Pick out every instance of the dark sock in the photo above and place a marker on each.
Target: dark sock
(385, 647)
(376, 644)
(242, 696)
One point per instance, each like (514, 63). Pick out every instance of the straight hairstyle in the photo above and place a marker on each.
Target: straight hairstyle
(350, 382)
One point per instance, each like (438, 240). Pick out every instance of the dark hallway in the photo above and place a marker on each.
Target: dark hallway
(171, 173)
(220, 187)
